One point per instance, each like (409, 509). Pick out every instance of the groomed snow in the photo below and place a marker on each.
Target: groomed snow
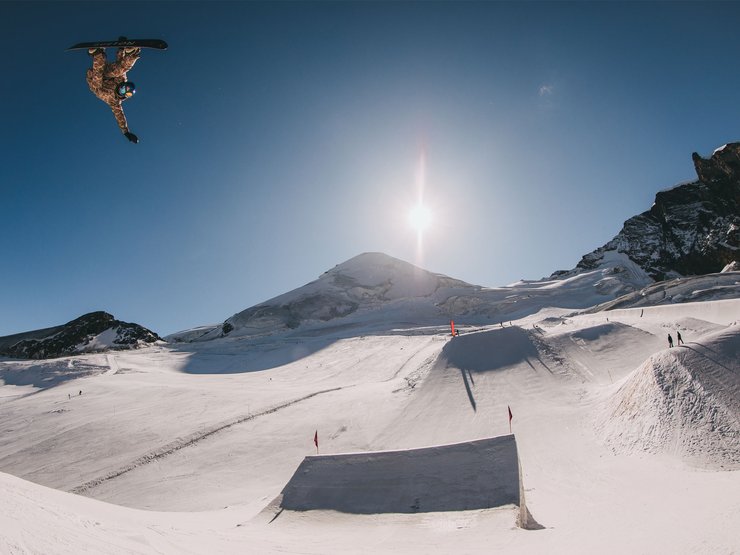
(204, 436)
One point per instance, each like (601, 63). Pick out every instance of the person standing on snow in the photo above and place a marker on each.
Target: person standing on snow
(678, 338)
(108, 82)
(670, 341)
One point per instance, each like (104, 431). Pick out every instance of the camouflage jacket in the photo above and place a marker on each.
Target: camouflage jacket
(103, 78)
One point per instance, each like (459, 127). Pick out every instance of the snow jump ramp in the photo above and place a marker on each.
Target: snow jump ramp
(479, 474)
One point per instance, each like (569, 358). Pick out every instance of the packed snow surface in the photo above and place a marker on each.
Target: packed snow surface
(625, 445)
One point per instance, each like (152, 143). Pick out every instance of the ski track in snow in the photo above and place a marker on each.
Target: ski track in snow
(175, 446)
(112, 364)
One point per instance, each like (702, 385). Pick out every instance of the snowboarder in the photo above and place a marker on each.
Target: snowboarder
(670, 341)
(109, 83)
(678, 338)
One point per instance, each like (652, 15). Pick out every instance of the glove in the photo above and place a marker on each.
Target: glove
(131, 137)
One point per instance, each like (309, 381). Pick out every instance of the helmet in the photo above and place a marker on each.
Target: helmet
(125, 90)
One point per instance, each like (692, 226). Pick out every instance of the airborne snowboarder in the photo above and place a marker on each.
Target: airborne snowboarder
(108, 81)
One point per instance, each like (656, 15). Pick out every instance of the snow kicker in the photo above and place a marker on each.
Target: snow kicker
(479, 474)
(684, 402)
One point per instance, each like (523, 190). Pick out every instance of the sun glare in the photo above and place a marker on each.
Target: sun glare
(420, 217)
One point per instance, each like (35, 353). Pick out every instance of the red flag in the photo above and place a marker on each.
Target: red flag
(316, 440)
(510, 417)
(452, 327)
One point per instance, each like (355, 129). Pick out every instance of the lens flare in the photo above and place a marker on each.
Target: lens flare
(420, 218)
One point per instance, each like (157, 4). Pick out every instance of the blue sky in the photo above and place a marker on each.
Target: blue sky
(280, 139)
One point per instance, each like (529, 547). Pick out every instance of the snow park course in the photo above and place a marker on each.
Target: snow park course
(182, 448)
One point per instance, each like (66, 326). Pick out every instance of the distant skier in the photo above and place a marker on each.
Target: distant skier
(109, 83)
(678, 338)
(670, 341)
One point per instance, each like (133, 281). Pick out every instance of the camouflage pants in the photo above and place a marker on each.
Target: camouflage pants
(104, 77)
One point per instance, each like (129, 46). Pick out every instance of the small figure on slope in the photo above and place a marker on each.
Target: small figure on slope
(678, 338)
(670, 340)
(109, 83)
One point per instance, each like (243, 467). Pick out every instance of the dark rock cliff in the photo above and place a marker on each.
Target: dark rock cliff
(692, 229)
(80, 335)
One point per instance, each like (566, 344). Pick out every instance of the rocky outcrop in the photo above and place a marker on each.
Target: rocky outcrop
(93, 332)
(723, 165)
(692, 229)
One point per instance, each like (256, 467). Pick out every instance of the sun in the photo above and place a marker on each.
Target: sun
(420, 217)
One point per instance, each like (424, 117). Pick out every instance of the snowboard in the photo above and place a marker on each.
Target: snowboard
(127, 43)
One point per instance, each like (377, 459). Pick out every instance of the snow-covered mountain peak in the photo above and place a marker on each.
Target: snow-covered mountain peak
(357, 288)
(371, 266)
(375, 274)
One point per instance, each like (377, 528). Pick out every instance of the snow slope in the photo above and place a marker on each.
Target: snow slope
(205, 435)
(685, 401)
